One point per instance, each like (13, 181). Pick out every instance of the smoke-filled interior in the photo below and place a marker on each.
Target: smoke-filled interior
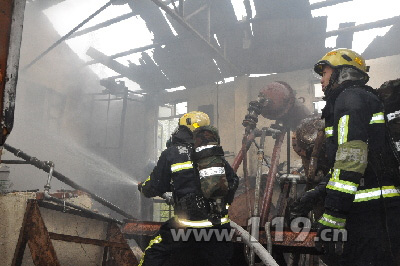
(103, 101)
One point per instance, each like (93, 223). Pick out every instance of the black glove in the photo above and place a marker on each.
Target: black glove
(331, 233)
(139, 186)
(302, 206)
(169, 199)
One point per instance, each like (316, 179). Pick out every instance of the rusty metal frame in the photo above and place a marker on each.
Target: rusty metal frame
(11, 20)
(286, 240)
(34, 233)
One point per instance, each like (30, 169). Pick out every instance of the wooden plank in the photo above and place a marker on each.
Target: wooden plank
(89, 241)
(42, 250)
(122, 257)
(22, 239)
(105, 252)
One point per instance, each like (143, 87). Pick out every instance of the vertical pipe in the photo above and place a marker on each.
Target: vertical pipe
(266, 205)
(288, 150)
(245, 175)
(260, 160)
(123, 115)
(255, 219)
(181, 10)
(209, 21)
(239, 157)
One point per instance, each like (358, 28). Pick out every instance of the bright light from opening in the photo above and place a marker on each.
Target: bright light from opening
(316, 1)
(362, 39)
(169, 23)
(240, 10)
(253, 8)
(215, 37)
(181, 88)
(318, 106)
(260, 75)
(330, 42)
(318, 90)
(360, 12)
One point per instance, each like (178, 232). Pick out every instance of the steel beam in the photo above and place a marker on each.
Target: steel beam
(187, 26)
(328, 3)
(101, 25)
(131, 51)
(365, 26)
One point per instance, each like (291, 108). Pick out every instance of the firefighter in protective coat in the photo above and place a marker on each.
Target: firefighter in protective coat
(362, 193)
(201, 181)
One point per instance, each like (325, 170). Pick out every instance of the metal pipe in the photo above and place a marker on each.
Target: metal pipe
(288, 151)
(262, 253)
(47, 196)
(255, 219)
(271, 177)
(239, 157)
(245, 175)
(268, 234)
(47, 186)
(260, 158)
(45, 167)
(14, 162)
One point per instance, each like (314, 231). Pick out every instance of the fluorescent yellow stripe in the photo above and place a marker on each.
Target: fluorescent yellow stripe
(181, 166)
(144, 183)
(378, 118)
(328, 132)
(155, 240)
(343, 129)
(335, 175)
(343, 186)
(375, 193)
(332, 221)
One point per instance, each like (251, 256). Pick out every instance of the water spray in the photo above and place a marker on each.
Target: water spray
(46, 166)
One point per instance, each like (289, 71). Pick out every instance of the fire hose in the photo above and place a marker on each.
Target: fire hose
(262, 253)
(48, 168)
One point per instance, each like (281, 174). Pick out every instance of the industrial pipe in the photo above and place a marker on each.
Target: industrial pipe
(271, 177)
(262, 253)
(239, 157)
(45, 167)
(47, 196)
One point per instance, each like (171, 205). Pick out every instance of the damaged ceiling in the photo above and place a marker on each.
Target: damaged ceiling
(210, 44)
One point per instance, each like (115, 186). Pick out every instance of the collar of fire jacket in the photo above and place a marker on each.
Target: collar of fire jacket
(182, 135)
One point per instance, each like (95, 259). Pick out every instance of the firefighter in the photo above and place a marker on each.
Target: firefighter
(177, 172)
(362, 192)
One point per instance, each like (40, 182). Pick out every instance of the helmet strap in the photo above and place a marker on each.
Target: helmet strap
(332, 81)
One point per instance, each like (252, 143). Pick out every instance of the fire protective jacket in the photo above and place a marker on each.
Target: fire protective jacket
(363, 173)
(175, 172)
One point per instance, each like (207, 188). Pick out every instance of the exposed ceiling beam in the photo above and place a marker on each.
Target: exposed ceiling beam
(211, 47)
(109, 62)
(131, 51)
(365, 26)
(102, 25)
(328, 3)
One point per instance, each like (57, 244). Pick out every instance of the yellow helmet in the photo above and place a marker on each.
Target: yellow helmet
(194, 119)
(342, 57)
